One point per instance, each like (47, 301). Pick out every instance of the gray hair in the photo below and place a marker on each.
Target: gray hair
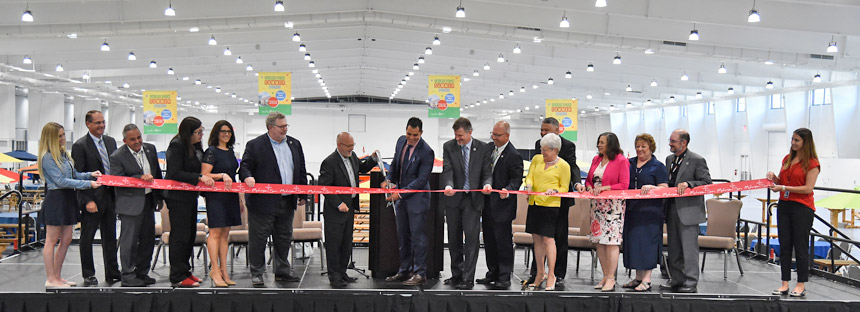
(127, 128)
(273, 117)
(342, 135)
(551, 141)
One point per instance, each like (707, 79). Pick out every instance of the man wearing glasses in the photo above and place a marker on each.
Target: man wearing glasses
(277, 158)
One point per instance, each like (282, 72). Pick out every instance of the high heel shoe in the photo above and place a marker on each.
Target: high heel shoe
(48, 285)
(215, 275)
(537, 284)
(227, 278)
(550, 286)
(604, 289)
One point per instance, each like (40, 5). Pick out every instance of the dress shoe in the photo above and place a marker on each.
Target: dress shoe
(146, 279)
(669, 286)
(485, 281)
(559, 284)
(399, 277)
(337, 283)
(687, 289)
(113, 278)
(798, 294)
(501, 284)
(349, 279)
(133, 282)
(91, 281)
(453, 280)
(287, 278)
(465, 285)
(257, 281)
(415, 280)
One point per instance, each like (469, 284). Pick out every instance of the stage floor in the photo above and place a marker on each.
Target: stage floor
(25, 273)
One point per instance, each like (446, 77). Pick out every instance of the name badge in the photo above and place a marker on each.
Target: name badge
(785, 194)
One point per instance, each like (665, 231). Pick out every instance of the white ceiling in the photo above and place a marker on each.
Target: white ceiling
(367, 47)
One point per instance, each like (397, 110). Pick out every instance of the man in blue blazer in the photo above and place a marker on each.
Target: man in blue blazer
(410, 169)
(275, 158)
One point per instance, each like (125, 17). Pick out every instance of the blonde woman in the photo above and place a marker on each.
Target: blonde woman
(59, 206)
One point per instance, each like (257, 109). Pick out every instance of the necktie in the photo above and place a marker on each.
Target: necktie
(466, 166)
(496, 154)
(104, 156)
(404, 157)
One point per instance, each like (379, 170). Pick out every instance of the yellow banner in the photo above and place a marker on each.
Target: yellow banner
(159, 112)
(443, 96)
(565, 112)
(274, 93)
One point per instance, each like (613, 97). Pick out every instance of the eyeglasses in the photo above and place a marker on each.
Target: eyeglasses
(225, 131)
(198, 132)
(283, 127)
(348, 145)
(497, 135)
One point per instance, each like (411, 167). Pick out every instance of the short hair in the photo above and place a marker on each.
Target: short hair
(613, 147)
(683, 135)
(89, 116)
(648, 140)
(505, 125)
(272, 118)
(216, 133)
(462, 123)
(340, 135)
(551, 121)
(551, 141)
(127, 128)
(414, 122)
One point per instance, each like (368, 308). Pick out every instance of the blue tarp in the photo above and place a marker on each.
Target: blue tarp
(22, 155)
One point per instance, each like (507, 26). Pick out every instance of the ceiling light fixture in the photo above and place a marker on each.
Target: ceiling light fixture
(649, 51)
(415, 67)
(169, 11)
(486, 66)
(511, 93)
(198, 82)
(565, 23)
(534, 86)
(239, 60)
(27, 59)
(568, 75)
(59, 68)
(152, 64)
(722, 69)
(550, 81)
(217, 89)
(279, 6)
(684, 77)
(628, 89)
(694, 34)
(315, 70)
(311, 64)
(461, 11)
(617, 59)
(589, 97)
(249, 67)
(131, 56)
(501, 96)
(475, 73)
(654, 82)
(105, 46)
(307, 56)
(421, 60)
(185, 78)
(522, 89)
(212, 41)
(288, 25)
(27, 16)
(590, 67)
(227, 51)
(769, 85)
(517, 49)
(436, 41)
(731, 90)
(672, 99)
(446, 30)
(125, 85)
(832, 47)
(297, 37)
(86, 76)
(698, 95)
(170, 71)
(600, 4)
(817, 78)
(302, 48)
(194, 29)
(428, 51)
(501, 58)
(753, 17)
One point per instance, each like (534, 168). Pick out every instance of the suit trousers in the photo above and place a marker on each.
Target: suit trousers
(794, 221)
(411, 239)
(278, 224)
(464, 221)
(683, 244)
(105, 221)
(498, 246)
(183, 232)
(338, 245)
(136, 241)
(561, 232)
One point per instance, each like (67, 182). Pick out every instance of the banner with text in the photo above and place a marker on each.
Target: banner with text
(565, 112)
(443, 94)
(159, 112)
(275, 93)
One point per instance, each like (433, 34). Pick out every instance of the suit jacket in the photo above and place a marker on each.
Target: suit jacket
(507, 174)
(453, 172)
(616, 175)
(694, 171)
(130, 201)
(87, 159)
(259, 162)
(415, 174)
(568, 153)
(333, 173)
(183, 168)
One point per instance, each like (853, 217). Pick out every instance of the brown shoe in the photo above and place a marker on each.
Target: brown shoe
(415, 280)
(399, 277)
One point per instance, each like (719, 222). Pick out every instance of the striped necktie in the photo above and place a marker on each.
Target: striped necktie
(104, 156)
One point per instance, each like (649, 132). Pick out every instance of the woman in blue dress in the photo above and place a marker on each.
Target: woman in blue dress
(223, 210)
(643, 225)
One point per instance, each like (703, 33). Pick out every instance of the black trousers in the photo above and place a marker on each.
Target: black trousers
(136, 241)
(278, 224)
(338, 245)
(183, 231)
(104, 219)
(498, 246)
(561, 247)
(464, 229)
(794, 221)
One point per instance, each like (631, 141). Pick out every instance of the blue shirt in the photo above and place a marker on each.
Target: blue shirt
(63, 176)
(284, 155)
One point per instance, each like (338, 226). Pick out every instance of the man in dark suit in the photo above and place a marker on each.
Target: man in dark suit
(135, 206)
(683, 215)
(273, 157)
(341, 168)
(410, 170)
(568, 153)
(500, 209)
(466, 166)
(92, 153)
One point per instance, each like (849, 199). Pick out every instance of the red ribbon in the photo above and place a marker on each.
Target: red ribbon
(265, 188)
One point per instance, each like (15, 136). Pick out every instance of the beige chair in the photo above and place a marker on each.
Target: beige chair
(580, 215)
(721, 236)
(518, 227)
(308, 232)
(199, 240)
(238, 235)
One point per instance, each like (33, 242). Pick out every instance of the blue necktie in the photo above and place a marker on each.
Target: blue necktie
(104, 156)
(466, 165)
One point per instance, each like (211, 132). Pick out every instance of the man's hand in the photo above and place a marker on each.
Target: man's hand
(302, 201)
(146, 177)
(487, 189)
(385, 184)
(503, 194)
(342, 207)
(682, 187)
(448, 191)
(91, 206)
(249, 181)
(394, 197)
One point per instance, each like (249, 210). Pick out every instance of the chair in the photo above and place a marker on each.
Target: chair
(518, 227)
(721, 236)
(839, 260)
(580, 216)
(308, 232)
(199, 240)
(238, 235)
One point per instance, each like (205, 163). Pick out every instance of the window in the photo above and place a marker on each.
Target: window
(821, 97)
(683, 111)
(742, 105)
(711, 108)
(776, 101)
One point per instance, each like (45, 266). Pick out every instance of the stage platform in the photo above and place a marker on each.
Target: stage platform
(22, 289)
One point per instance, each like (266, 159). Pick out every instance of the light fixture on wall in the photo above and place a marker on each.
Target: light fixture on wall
(832, 47)
(131, 56)
(428, 51)
(27, 16)
(722, 69)
(279, 6)
(153, 64)
(600, 4)
(303, 48)
(517, 49)
(769, 85)
(617, 59)
(684, 77)
(105, 46)
(169, 11)
(694, 34)
(297, 37)
(461, 11)
(212, 40)
(817, 78)
(753, 17)
(564, 23)
(436, 41)
(501, 58)
(590, 67)
(27, 60)
(568, 75)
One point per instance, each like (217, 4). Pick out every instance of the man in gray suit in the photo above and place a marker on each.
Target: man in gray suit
(465, 166)
(683, 214)
(136, 206)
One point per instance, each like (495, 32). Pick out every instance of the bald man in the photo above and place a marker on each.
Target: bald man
(341, 168)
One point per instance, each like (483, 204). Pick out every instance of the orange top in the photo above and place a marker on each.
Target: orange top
(794, 176)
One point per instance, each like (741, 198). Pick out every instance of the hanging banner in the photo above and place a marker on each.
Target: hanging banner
(565, 112)
(443, 97)
(159, 112)
(274, 93)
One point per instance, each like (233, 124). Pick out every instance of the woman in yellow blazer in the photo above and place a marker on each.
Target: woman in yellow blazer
(548, 174)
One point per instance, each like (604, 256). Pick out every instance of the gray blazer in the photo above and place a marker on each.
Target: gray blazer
(694, 171)
(480, 171)
(130, 201)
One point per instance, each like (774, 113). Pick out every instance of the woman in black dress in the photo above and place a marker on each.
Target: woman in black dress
(183, 164)
(643, 225)
(223, 210)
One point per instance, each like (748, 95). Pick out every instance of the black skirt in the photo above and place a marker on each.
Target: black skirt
(541, 220)
(60, 207)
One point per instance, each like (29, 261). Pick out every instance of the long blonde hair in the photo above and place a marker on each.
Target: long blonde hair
(49, 142)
